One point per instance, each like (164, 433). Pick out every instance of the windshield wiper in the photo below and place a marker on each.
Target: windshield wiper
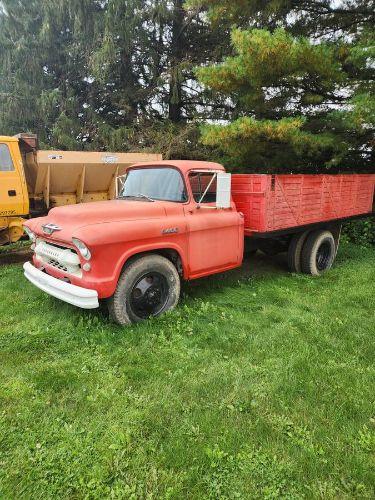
(139, 195)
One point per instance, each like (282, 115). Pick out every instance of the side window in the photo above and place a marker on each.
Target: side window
(199, 181)
(6, 163)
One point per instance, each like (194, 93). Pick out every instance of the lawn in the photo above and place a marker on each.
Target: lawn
(259, 385)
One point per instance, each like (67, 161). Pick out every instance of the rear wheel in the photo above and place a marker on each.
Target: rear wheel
(147, 287)
(295, 251)
(318, 253)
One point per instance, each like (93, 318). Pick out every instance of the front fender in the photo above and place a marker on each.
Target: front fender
(153, 248)
(112, 245)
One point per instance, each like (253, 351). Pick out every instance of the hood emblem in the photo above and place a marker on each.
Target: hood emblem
(50, 228)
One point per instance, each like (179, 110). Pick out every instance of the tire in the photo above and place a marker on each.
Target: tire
(318, 253)
(147, 287)
(295, 251)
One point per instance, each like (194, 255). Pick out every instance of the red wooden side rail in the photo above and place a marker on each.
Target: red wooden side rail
(276, 202)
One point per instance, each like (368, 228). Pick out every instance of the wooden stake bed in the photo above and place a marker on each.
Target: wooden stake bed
(278, 202)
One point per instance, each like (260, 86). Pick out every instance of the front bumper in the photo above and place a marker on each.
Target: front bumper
(75, 295)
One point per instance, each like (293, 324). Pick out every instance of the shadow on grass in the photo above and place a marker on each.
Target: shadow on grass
(257, 267)
(261, 267)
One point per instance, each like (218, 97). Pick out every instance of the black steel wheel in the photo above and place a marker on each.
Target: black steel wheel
(323, 256)
(318, 252)
(148, 286)
(149, 295)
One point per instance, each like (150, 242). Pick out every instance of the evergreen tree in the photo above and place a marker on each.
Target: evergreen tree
(100, 74)
(43, 48)
(301, 84)
(154, 47)
(297, 88)
(21, 82)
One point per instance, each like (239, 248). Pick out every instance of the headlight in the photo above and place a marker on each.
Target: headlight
(29, 233)
(82, 248)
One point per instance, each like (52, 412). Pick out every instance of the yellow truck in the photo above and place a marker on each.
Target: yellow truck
(32, 181)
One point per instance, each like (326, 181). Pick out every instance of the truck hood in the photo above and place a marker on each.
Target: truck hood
(73, 217)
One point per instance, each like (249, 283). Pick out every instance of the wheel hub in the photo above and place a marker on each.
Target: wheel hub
(149, 295)
(323, 256)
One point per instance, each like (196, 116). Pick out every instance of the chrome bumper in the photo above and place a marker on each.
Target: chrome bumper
(75, 295)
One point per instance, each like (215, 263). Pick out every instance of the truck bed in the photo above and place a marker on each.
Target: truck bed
(278, 202)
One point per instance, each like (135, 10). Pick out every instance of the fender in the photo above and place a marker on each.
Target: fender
(149, 248)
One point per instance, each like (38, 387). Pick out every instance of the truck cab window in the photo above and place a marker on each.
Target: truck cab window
(199, 182)
(6, 163)
(156, 183)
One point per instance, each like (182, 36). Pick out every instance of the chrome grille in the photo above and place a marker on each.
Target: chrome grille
(64, 259)
(56, 264)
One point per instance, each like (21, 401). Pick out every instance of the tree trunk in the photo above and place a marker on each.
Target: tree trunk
(175, 81)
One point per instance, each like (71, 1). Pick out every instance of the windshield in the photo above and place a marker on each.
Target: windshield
(153, 184)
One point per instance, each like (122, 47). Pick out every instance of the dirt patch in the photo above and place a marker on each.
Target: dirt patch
(15, 256)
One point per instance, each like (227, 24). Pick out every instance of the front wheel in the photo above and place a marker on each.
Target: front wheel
(147, 287)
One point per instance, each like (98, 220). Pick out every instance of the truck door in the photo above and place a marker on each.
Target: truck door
(214, 234)
(12, 183)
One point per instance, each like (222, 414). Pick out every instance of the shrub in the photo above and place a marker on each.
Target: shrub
(361, 232)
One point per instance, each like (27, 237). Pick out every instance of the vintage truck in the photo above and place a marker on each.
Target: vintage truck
(181, 220)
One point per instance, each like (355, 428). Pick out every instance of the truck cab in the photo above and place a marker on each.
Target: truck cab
(14, 201)
(171, 220)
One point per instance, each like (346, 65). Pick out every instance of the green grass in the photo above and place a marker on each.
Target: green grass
(259, 385)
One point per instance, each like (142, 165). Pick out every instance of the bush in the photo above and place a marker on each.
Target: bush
(361, 232)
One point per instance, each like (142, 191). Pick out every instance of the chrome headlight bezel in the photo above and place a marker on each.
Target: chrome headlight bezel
(82, 248)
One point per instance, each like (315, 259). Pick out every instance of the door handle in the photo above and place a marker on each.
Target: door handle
(12, 192)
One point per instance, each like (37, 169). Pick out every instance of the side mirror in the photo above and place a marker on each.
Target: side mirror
(223, 190)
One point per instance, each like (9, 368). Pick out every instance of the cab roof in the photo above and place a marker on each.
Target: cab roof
(7, 138)
(183, 165)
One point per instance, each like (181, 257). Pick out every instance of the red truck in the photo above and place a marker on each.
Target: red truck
(181, 220)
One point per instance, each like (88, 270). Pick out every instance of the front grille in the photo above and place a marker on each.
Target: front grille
(55, 245)
(64, 259)
(56, 264)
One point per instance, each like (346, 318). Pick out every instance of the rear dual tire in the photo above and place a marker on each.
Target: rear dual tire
(312, 252)
(295, 252)
(148, 286)
(318, 253)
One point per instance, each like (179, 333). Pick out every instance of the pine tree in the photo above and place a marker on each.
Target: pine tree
(165, 42)
(43, 48)
(99, 74)
(21, 82)
(300, 81)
